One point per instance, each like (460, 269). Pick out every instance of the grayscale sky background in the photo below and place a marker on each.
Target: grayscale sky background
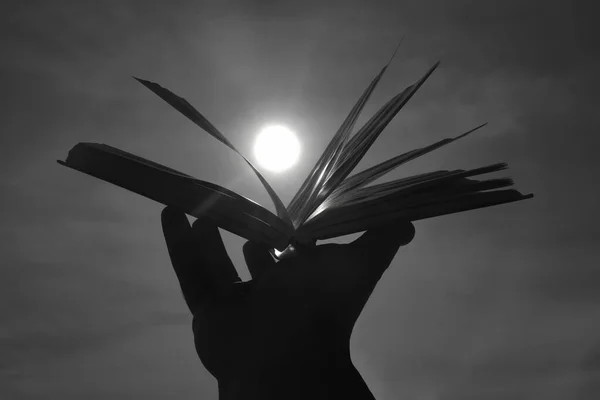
(491, 304)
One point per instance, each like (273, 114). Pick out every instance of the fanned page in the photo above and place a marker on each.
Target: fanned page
(330, 202)
(413, 198)
(414, 213)
(337, 205)
(357, 146)
(184, 107)
(349, 186)
(229, 210)
(326, 165)
(369, 175)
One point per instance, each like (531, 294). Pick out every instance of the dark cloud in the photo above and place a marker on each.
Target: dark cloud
(591, 362)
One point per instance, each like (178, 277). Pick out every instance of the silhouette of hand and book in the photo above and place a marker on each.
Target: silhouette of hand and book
(330, 202)
(285, 334)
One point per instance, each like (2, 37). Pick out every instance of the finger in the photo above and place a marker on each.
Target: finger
(211, 250)
(382, 243)
(193, 281)
(258, 259)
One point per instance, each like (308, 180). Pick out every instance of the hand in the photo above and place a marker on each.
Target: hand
(287, 331)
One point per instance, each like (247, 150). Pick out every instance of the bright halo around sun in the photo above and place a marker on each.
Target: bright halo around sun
(276, 148)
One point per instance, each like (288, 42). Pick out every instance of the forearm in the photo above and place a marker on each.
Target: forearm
(339, 382)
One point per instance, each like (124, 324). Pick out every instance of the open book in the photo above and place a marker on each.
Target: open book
(330, 202)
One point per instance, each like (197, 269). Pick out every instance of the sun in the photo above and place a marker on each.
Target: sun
(276, 148)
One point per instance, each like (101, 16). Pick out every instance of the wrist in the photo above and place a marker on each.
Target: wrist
(333, 380)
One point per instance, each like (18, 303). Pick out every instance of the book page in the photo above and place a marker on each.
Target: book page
(412, 212)
(401, 192)
(358, 145)
(369, 175)
(330, 158)
(229, 210)
(184, 107)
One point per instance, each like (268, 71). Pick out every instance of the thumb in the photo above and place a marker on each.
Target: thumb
(382, 243)
(258, 259)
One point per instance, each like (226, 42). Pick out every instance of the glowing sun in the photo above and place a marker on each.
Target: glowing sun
(276, 148)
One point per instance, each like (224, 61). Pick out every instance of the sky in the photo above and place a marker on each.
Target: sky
(491, 304)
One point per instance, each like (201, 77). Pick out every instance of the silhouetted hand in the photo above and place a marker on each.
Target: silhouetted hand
(286, 333)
